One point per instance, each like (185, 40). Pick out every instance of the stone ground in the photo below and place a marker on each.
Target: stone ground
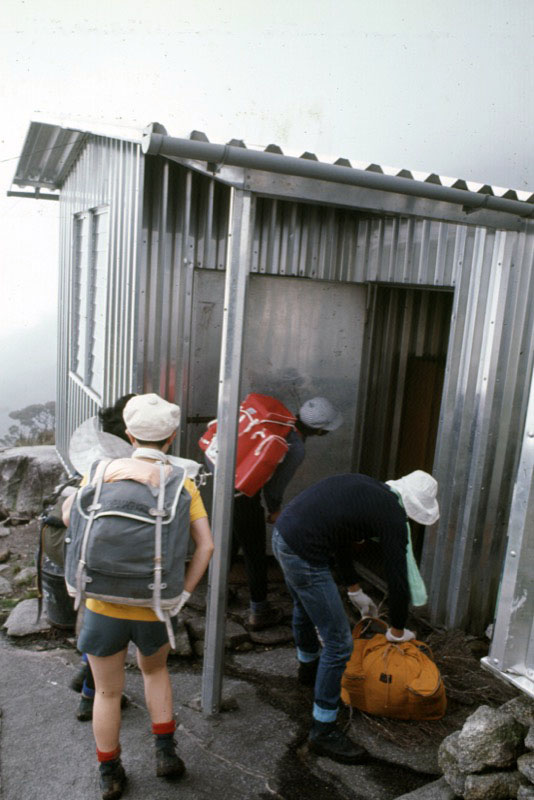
(260, 673)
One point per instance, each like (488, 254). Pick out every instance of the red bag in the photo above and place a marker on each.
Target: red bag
(264, 423)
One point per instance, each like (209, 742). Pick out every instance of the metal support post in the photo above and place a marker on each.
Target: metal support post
(237, 270)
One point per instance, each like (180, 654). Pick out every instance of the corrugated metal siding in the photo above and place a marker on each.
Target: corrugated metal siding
(482, 418)
(108, 173)
(338, 244)
(185, 227)
(402, 324)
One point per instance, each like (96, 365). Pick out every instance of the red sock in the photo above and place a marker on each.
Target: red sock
(111, 756)
(163, 727)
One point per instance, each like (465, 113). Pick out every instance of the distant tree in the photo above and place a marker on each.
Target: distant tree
(36, 425)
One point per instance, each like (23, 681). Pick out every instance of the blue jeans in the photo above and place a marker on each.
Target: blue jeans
(317, 606)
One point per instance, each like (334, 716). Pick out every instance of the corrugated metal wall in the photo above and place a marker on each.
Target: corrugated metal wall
(337, 244)
(108, 173)
(482, 418)
(185, 227)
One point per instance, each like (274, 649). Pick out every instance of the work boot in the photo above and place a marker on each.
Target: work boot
(76, 683)
(85, 707)
(266, 618)
(307, 672)
(326, 739)
(112, 779)
(168, 764)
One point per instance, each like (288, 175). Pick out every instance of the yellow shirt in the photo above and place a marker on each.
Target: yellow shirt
(142, 613)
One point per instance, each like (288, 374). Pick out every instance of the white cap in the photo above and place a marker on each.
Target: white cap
(150, 418)
(418, 491)
(321, 414)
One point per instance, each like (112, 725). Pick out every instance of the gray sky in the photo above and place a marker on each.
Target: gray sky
(427, 85)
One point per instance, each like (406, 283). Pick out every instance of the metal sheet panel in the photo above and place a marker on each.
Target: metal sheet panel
(482, 416)
(109, 175)
(185, 225)
(325, 243)
(512, 647)
(304, 339)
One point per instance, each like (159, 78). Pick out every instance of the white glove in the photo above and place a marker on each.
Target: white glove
(363, 603)
(182, 600)
(406, 636)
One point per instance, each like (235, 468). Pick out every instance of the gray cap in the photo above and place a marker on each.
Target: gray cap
(319, 413)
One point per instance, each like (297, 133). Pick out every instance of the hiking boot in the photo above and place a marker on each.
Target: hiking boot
(76, 683)
(307, 672)
(168, 764)
(112, 779)
(85, 709)
(266, 618)
(326, 739)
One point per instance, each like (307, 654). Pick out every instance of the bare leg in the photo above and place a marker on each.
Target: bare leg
(108, 672)
(158, 691)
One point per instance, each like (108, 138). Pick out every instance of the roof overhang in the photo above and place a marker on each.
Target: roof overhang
(51, 148)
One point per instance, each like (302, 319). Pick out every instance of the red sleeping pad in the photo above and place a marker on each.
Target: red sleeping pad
(264, 424)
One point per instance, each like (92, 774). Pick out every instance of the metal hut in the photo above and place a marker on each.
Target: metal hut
(202, 271)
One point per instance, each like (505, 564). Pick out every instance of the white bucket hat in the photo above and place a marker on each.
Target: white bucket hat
(321, 414)
(418, 491)
(150, 418)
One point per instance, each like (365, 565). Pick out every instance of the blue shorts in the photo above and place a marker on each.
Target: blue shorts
(105, 636)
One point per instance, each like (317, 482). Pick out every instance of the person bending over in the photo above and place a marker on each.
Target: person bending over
(318, 529)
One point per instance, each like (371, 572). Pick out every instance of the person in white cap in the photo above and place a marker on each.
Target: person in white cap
(318, 529)
(107, 628)
(316, 417)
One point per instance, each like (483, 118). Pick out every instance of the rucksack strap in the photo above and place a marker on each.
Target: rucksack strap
(159, 512)
(93, 508)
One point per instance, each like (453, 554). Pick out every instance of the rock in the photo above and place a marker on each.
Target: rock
(27, 476)
(22, 620)
(529, 739)
(278, 634)
(195, 624)
(492, 786)
(234, 635)
(525, 765)
(4, 555)
(521, 708)
(489, 738)
(4, 532)
(5, 587)
(448, 763)
(26, 575)
(4, 567)
(525, 792)
(198, 598)
(183, 645)
(437, 790)
(228, 703)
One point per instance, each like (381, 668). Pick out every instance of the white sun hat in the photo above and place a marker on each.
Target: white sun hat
(150, 418)
(418, 491)
(321, 414)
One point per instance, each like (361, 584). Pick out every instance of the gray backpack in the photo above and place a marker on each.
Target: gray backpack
(127, 542)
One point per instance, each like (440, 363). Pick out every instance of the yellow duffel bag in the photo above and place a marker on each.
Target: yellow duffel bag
(400, 681)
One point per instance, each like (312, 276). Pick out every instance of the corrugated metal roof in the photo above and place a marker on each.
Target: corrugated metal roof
(50, 150)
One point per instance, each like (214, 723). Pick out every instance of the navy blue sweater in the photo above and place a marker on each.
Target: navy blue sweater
(322, 522)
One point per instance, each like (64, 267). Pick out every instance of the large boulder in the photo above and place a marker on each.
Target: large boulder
(27, 476)
(448, 755)
(490, 737)
(492, 786)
